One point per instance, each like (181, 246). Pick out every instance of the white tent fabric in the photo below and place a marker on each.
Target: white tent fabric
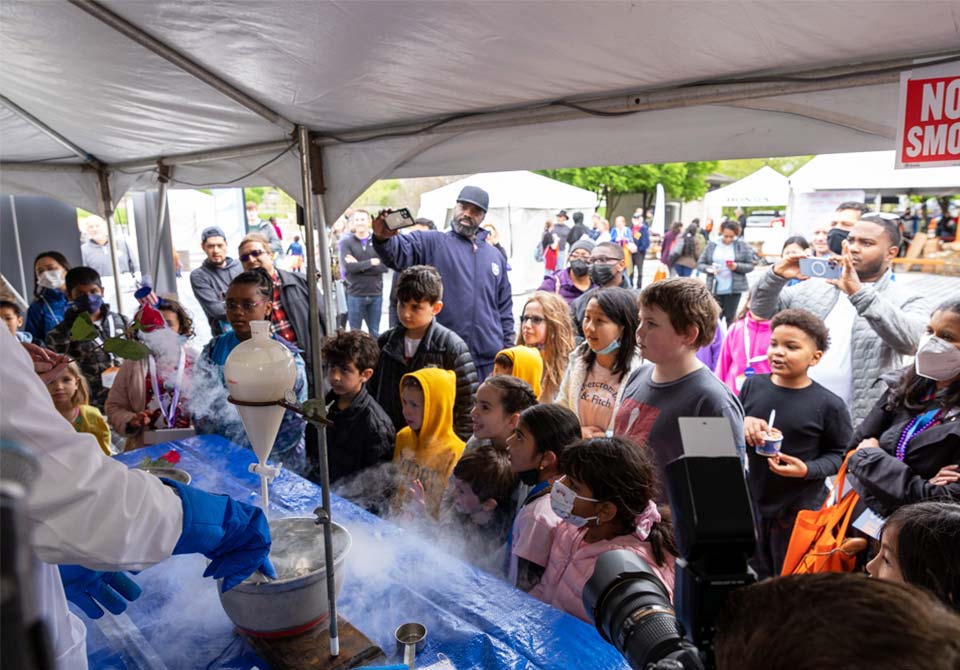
(337, 67)
(873, 172)
(764, 188)
(520, 203)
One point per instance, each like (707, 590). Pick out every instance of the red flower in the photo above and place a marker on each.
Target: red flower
(149, 319)
(172, 457)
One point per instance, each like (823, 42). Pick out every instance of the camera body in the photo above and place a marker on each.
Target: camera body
(714, 528)
(820, 268)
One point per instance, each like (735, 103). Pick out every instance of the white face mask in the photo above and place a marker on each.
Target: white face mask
(937, 359)
(50, 279)
(562, 500)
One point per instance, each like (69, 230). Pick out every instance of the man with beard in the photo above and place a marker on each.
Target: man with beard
(477, 301)
(873, 321)
(210, 281)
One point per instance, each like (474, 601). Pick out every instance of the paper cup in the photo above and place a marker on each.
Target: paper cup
(771, 444)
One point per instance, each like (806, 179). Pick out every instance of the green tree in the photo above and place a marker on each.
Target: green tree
(683, 181)
(741, 167)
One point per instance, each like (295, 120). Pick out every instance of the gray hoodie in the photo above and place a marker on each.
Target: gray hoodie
(209, 283)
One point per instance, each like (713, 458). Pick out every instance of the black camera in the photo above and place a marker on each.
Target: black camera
(714, 529)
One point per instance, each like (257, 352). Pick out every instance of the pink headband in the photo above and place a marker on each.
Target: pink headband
(646, 519)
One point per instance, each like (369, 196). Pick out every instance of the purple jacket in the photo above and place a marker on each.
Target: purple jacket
(709, 355)
(668, 238)
(567, 289)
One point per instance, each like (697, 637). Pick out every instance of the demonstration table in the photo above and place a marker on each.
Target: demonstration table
(393, 576)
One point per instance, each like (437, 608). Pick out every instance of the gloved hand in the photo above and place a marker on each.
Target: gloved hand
(233, 535)
(91, 589)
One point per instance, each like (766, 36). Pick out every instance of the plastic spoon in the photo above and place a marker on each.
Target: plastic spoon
(773, 415)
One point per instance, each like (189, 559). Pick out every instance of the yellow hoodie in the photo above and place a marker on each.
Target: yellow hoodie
(527, 365)
(430, 453)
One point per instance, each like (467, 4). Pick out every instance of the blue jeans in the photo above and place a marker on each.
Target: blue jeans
(362, 308)
(683, 271)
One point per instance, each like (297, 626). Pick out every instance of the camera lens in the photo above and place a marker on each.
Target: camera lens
(631, 609)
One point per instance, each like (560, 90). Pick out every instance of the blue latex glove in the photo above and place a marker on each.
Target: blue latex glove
(235, 536)
(92, 591)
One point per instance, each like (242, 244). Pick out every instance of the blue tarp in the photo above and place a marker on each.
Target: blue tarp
(393, 576)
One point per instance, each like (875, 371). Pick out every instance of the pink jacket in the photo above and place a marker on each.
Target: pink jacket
(128, 397)
(572, 561)
(733, 354)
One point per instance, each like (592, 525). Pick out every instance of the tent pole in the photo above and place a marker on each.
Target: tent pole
(16, 238)
(303, 139)
(148, 41)
(162, 227)
(46, 130)
(106, 207)
(326, 276)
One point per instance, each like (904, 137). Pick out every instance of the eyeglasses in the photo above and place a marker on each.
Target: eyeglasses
(603, 260)
(245, 306)
(251, 254)
(535, 320)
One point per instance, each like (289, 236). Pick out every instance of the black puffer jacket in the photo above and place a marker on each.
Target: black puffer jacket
(440, 348)
(886, 483)
(361, 435)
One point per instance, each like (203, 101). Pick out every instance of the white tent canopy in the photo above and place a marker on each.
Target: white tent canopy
(764, 188)
(503, 70)
(873, 172)
(520, 203)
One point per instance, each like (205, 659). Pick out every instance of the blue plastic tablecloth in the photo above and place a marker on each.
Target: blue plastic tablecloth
(393, 576)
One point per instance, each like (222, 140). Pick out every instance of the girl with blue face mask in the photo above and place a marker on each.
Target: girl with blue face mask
(593, 384)
(605, 501)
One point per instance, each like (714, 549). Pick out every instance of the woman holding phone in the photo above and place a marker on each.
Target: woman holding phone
(726, 263)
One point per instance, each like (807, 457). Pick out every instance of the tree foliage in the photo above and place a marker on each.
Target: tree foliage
(683, 181)
(741, 167)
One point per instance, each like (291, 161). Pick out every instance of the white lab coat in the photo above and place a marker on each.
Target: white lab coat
(84, 507)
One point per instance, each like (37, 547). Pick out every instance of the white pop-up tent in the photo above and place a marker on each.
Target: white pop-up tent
(103, 96)
(764, 188)
(520, 203)
(826, 181)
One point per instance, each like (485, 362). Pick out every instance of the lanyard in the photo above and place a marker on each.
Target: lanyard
(170, 414)
(746, 344)
(530, 496)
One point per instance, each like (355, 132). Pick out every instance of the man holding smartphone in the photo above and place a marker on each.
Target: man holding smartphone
(477, 299)
(873, 321)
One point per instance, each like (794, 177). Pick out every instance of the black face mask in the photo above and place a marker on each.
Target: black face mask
(835, 238)
(579, 268)
(529, 477)
(601, 275)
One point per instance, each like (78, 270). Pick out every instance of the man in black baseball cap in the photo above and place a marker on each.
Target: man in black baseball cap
(210, 281)
(477, 299)
(472, 204)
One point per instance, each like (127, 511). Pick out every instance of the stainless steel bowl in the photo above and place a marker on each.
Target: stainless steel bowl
(176, 474)
(297, 600)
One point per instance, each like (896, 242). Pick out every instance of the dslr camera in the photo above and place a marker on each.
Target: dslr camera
(714, 528)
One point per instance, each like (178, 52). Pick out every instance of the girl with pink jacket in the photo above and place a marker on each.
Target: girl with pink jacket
(605, 500)
(744, 351)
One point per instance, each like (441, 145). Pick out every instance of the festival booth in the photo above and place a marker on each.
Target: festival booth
(826, 181)
(765, 188)
(322, 99)
(520, 203)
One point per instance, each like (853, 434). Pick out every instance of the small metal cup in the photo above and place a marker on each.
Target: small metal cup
(411, 638)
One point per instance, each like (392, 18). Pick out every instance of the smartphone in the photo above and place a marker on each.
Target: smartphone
(399, 218)
(821, 268)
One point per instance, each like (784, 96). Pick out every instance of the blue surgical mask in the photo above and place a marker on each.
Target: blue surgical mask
(609, 349)
(89, 302)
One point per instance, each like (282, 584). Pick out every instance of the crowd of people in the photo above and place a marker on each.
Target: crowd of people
(544, 448)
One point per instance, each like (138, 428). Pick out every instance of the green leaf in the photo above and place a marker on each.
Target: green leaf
(129, 349)
(83, 329)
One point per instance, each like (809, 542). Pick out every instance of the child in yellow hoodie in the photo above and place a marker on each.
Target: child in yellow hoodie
(427, 449)
(523, 363)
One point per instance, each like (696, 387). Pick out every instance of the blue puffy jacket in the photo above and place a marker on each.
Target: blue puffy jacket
(477, 302)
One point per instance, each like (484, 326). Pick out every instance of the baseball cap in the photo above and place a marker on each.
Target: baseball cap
(212, 231)
(475, 196)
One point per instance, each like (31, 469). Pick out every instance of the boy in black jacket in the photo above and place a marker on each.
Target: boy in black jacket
(816, 429)
(420, 342)
(362, 434)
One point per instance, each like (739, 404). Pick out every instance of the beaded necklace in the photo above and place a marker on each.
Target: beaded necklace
(916, 426)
